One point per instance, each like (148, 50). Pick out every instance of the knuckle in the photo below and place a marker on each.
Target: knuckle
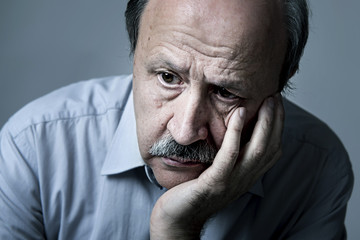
(232, 154)
(214, 186)
(267, 123)
(222, 171)
(258, 152)
(229, 153)
(237, 128)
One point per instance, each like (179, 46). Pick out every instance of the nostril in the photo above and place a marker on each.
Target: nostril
(202, 133)
(186, 133)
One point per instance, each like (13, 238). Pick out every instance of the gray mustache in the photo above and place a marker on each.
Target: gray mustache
(200, 151)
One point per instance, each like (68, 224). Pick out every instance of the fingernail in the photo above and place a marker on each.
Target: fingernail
(270, 102)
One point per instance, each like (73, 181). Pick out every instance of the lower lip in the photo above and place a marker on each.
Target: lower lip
(174, 163)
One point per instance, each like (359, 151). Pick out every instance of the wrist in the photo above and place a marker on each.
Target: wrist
(173, 233)
(164, 227)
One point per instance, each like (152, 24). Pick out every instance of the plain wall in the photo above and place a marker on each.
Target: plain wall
(48, 44)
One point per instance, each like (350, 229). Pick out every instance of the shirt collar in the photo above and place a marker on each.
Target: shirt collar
(124, 153)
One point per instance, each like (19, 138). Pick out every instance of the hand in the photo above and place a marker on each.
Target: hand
(183, 210)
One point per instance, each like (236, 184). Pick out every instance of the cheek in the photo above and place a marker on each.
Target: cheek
(218, 124)
(217, 130)
(150, 117)
(146, 97)
(150, 127)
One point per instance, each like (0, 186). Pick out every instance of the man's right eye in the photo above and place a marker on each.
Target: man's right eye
(168, 78)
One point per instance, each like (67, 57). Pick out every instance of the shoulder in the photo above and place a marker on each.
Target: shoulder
(86, 98)
(311, 183)
(313, 142)
(305, 127)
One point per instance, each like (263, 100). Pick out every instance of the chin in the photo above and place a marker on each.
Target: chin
(169, 179)
(168, 184)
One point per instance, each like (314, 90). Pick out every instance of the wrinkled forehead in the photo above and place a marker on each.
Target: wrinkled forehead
(218, 22)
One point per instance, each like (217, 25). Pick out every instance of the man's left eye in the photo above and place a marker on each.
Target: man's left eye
(168, 78)
(222, 92)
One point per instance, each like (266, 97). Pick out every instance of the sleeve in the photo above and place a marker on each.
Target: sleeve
(20, 215)
(324, 215)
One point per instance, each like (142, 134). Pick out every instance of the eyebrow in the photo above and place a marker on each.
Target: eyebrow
(161, 60)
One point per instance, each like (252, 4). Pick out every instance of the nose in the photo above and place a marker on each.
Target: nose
(190, 119)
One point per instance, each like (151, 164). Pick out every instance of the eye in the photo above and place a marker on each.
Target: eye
(168, 78)
(222, 92)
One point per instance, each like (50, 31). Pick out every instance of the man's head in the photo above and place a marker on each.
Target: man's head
(195, 62)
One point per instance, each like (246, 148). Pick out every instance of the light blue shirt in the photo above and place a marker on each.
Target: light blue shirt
(70, 168)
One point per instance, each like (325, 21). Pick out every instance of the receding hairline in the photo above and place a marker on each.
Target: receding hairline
(296, 14)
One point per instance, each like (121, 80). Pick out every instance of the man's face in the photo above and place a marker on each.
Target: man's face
(194, 64)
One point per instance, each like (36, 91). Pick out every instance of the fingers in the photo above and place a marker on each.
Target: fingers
(265, 143)
(263, 127)
(229, 151)
(276, 135)
(279, 120)
(258, 155)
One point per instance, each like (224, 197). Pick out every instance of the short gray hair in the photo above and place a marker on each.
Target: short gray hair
(296, 22)
(297, 27)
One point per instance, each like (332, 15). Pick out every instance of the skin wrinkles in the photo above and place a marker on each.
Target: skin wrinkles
(183, 34)
(243, 63)
(212, 71)
(204, 58)
(223, 109)
(195, 16)
(243, 56)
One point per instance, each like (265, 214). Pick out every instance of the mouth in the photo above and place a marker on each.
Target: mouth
(181, 162)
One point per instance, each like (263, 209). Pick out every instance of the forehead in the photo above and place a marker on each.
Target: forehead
(225, 35)
(226, 28)
(216, 22)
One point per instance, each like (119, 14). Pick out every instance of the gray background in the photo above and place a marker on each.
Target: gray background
(48, 44)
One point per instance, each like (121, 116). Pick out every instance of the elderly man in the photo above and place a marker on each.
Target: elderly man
(193, 145)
